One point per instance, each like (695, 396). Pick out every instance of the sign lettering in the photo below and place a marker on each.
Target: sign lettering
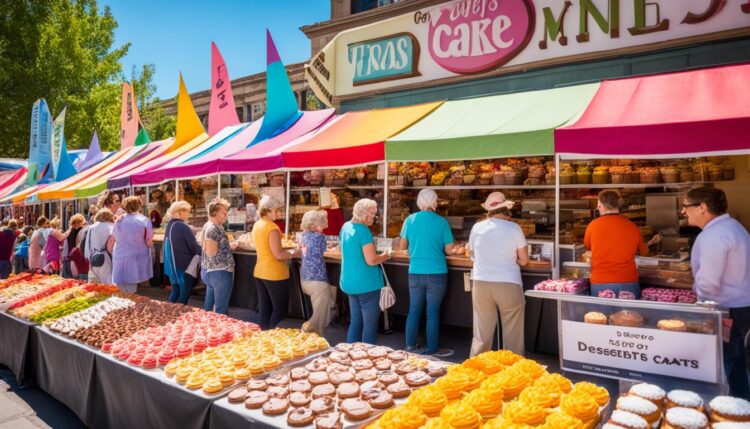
(387, 58)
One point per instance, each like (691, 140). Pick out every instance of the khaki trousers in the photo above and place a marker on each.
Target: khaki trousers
(489, 297)
(320, 295)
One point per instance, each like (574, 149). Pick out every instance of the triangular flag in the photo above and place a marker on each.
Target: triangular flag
(93, 155)
(58, 138)
(188, 124)
(221, 111)
(142, 138)
(129, 117)
(281, 104)
(45, 175)
(40, 141)
(65, 168)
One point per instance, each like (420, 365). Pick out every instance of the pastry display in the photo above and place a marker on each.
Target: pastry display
(595, 317)
(628, 420)
(626, 318)
(642, 407)
(678, 417)
(727, 408)
(685, 399)
(672, 325)
(563, 285)
(651, 392)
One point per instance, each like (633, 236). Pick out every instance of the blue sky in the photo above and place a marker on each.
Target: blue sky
(176, 36)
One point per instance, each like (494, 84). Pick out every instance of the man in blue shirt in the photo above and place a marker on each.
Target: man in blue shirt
(721, 267)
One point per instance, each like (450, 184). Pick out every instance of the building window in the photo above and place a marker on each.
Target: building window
(363, 5)
(258, 109)
(239, 114)
(311, 101)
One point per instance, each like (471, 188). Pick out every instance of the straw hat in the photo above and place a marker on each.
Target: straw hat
(496, 200)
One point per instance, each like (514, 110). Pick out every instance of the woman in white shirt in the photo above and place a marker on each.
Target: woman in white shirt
(499, 251)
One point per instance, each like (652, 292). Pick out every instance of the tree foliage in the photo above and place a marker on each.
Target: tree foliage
(157, 123)
(63, 51)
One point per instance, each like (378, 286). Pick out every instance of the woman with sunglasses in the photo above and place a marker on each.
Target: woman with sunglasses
(614, 240)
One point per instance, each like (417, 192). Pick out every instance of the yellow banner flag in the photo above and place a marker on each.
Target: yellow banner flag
(188, 124)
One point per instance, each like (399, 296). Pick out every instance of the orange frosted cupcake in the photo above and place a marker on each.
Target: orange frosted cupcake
(486, 362)
(506, 357)
(461, 415)
(437, 423)
(548, 380)
(560, 420)
(541, 396)
(494, 386)
(467, 378)
(530, 367)
(484, 402)
(429, 399)
(449, 388)
(501, 423)
(582, 407)
(524, 412)
(600, 394)
(513, 383)
(404, 417)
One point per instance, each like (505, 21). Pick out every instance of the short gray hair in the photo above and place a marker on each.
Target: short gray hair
(268, 203)
(313, 219)
(213, 206)
(362, 208)
(178, 207)
(427, 200)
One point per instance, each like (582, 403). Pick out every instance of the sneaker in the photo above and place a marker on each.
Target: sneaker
(441, 353)
(416, 350)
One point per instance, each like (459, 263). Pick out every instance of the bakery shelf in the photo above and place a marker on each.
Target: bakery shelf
(630, 185)
(470, 187)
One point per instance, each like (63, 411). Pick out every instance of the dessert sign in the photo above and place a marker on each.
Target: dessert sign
(639, 353)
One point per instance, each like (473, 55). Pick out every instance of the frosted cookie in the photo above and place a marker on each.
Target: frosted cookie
(651, 392)
(642, 407)
(685, 418)
(628, 420)
(684, 398)
(728, 408)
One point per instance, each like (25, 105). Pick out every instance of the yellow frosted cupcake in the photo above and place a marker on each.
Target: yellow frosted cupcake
(195, 381)
(600, 394)
(560, 420)
(437, 423)
(404, 417)
(541, 396)
(171, 369)
(467, 378)
(494, 386)
(513, 383)
(530, 367)
(524, 412)
(461, 415)
(271, 362)
(298, 350)
(183, 374)
(226, 378)
(506, 357)
(255, 366)
(554, 379)
(581, 406)
(485, 362)
(449, 388)
(284, 354)
(501, 423)
(429, 399)
(242, 374)
(486, 404)
(212, 386)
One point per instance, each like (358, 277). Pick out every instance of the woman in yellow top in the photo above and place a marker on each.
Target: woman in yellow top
(271, 269)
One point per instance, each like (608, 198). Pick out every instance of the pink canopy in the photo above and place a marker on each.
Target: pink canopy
(233, 155)
(676, 114)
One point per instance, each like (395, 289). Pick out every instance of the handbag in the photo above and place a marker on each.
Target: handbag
(387, 296)
(98, 256)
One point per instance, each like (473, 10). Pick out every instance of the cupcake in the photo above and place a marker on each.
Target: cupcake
(684, 418)
(628, 420)
(728, 408)
(583, 174)
(525, 413)
(685, 399)
(642, 407)
(651, 392)
(582, 407)
(600, 394)
(560, 420)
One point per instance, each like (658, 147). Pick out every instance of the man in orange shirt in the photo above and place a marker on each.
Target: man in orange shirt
(614, 241)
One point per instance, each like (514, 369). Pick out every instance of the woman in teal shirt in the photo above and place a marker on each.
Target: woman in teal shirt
(361, 278)
(428, 237)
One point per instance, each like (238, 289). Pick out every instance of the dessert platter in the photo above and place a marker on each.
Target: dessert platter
(634, 319)
(499, 389)
(647, 406)
(347, 387)
(211, 372)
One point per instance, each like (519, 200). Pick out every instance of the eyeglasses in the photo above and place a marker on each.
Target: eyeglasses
(684, 205)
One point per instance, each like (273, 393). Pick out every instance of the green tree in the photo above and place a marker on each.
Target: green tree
(63, 51)
(159, 125)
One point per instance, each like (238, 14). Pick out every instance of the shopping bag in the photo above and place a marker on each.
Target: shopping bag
(387, 296)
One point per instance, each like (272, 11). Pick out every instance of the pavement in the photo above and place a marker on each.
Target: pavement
(30, 407)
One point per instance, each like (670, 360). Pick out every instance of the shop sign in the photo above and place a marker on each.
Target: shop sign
(639, 353)
(386, 58)
(460, 38)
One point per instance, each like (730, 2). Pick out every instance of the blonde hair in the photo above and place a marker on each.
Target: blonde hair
(267, 204)
(313, 219)
(104, 215)
(77, 220)
(132, 204)
(213, 206)
(55, 223)
(177, 208)
(362, 208)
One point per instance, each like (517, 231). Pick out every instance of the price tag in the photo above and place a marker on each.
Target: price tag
(325, 197)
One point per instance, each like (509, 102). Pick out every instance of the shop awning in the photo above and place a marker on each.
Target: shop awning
(701, 112)
(354, 139)
(12, 181)
(266, 155)
(518, 124)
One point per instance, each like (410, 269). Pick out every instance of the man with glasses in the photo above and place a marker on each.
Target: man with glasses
(721, 267)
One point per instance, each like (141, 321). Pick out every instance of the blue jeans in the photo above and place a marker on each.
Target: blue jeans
(365, 313)
(634, 287)
(734, 353)
(430, 288)
(5, 269)
(218, 290)
(181, 292)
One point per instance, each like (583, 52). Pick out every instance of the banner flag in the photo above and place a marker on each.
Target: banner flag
(58, 138)
(129, 117)
(221, 112)
(188, 124)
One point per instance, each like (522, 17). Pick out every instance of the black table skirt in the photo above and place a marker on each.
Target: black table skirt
(65, 369)
(224, 417)
(128, 398)
(17, 337)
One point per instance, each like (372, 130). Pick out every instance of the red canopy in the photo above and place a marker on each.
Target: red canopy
(677, 114)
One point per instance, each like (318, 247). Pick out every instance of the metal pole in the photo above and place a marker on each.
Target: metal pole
(218, 180)
(556, 265)
(176, 190)
(385, 201)
(288, 197)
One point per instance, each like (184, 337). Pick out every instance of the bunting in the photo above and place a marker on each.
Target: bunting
(93, 155)
(221, 112)
(188, 124)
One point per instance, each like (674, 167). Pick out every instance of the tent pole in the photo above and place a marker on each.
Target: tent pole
(385, 201)
(556, 266)
(177, 190)
(218, 181)
(288, 197)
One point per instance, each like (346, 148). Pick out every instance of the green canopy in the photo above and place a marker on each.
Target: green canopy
(507, 125)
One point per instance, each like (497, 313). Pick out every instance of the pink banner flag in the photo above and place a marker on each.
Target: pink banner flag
(129, 118)
(221, 112)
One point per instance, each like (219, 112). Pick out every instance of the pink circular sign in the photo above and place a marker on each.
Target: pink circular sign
(471, 36)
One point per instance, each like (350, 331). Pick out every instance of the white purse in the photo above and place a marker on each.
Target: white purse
(387, 296)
